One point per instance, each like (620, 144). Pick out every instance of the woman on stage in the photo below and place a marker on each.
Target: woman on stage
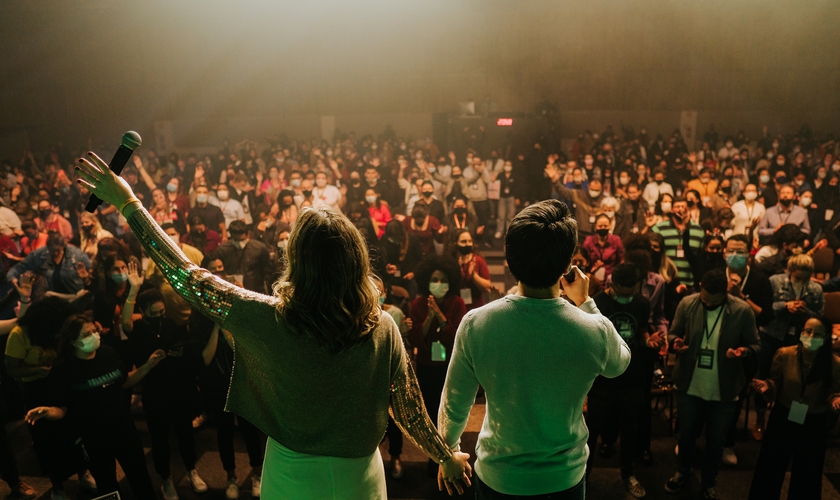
(317, 366)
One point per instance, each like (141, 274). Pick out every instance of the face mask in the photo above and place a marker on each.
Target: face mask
(438, 290)
(780, 162)
(659, 182)
(459, 210)
(811, 343)
(465, 249)
(119, 277)
(704, 180)
(355, 181)
(602, 232)
(588, 161)
(690, 203)
(594, 194)
(786, 203)
(223, 195)
(666, 207)
(821, 174)
(799, 182)
(45, 213)
(381, 301)
(623, 299)
(201, 198)
(87, 229)
(282, 244)
(750, 195)
(610, 214)
(432, 169)
(805, 202)
(295, 182)
(321, 183)
(577, 179)
(172, 188)
(370, 199)
(736, 261)
(154, 322)
(89, 343)
(508, 168)
(623, 181)
(764, 178)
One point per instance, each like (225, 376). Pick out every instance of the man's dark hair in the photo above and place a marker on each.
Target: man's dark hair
(237, 227)
(789, 233)
(540, 243)
(740, 238)
(169, 225)
(55, 239)
(714, 281)
(195, 220)
(626, 275)
(28, 224)
(147, 298)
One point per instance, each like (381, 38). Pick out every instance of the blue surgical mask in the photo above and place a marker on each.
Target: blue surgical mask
(119, 277)
(438, 289)
(736, 261)
(172, 188)
(811, 343)
(381, 301)
(623, 299)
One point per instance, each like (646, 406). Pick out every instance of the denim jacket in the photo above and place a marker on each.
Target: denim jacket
(40, 262)
(784, 321)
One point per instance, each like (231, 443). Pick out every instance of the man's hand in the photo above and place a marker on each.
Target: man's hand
(835, 405)
(760, 385)
(680, 345)
(155, 358)
(736, 353)
(656, 340)
(578, 290)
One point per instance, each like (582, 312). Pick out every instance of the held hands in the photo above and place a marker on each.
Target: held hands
(736, 353)
(454, 471)
(578, 290)
(134, 277)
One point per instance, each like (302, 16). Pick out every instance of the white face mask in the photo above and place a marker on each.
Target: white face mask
(89, 343)
(508, 168)
(370, 199)
(610, 214)
(594, 194)
(438, 290)
(764, 178)
(811, 343)
(805, 202)
(282, 244)
(223, 195)
(750, 195)
(623, 181)
(588, 161)
(666, 207)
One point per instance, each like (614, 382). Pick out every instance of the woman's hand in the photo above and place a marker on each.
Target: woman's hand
(95, 175)
(24, 286)
(134, 277)
(452, 472)
(433, 307)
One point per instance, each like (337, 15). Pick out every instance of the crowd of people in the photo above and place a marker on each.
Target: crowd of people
(706, 254)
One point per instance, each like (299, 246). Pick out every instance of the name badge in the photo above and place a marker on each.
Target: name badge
(798, 411)
(680, 253)
(829, 214)
(791, 330)
(438, 352)
(706, 359)
(397, 273)
(466, 295)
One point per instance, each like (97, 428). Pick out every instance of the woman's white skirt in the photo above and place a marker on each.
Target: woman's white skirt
(296, 476)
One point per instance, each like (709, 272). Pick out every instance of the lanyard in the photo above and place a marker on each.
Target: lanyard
(707, 334)
(743, 281)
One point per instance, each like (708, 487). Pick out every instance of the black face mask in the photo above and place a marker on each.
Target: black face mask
(155, 323)
(428, 194)
(355, 182)
(786, 202)
(307, 193)
(602, 232)
(465, 249)
(45, 213)
(460, 211)
(690, 203)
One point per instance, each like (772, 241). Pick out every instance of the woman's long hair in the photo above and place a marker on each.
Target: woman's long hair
(70, 331)
(824, 360)
(327, 290)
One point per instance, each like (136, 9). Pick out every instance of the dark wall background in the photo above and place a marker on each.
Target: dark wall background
(74, 69)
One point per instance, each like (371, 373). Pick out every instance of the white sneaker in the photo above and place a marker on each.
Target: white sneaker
(168, 489)
(232, 490)
(58, 495)
(198, 484)
(256, 485)
(199, 421)
(729, 457)
(86, 482)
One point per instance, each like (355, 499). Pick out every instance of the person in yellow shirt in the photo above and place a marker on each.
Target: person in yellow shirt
(705, 185)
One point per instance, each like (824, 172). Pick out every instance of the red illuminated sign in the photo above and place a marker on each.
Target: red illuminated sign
(504, 122)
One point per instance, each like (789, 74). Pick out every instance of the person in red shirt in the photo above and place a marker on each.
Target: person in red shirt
(426, 227)
(475, 275)
(32, 239)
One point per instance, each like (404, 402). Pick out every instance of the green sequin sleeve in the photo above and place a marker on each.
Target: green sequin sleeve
(409, 412)
(209, 294)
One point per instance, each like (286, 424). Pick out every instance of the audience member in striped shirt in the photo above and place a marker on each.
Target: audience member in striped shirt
(683, 239)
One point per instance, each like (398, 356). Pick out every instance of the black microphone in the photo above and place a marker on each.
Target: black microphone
(130, 141)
